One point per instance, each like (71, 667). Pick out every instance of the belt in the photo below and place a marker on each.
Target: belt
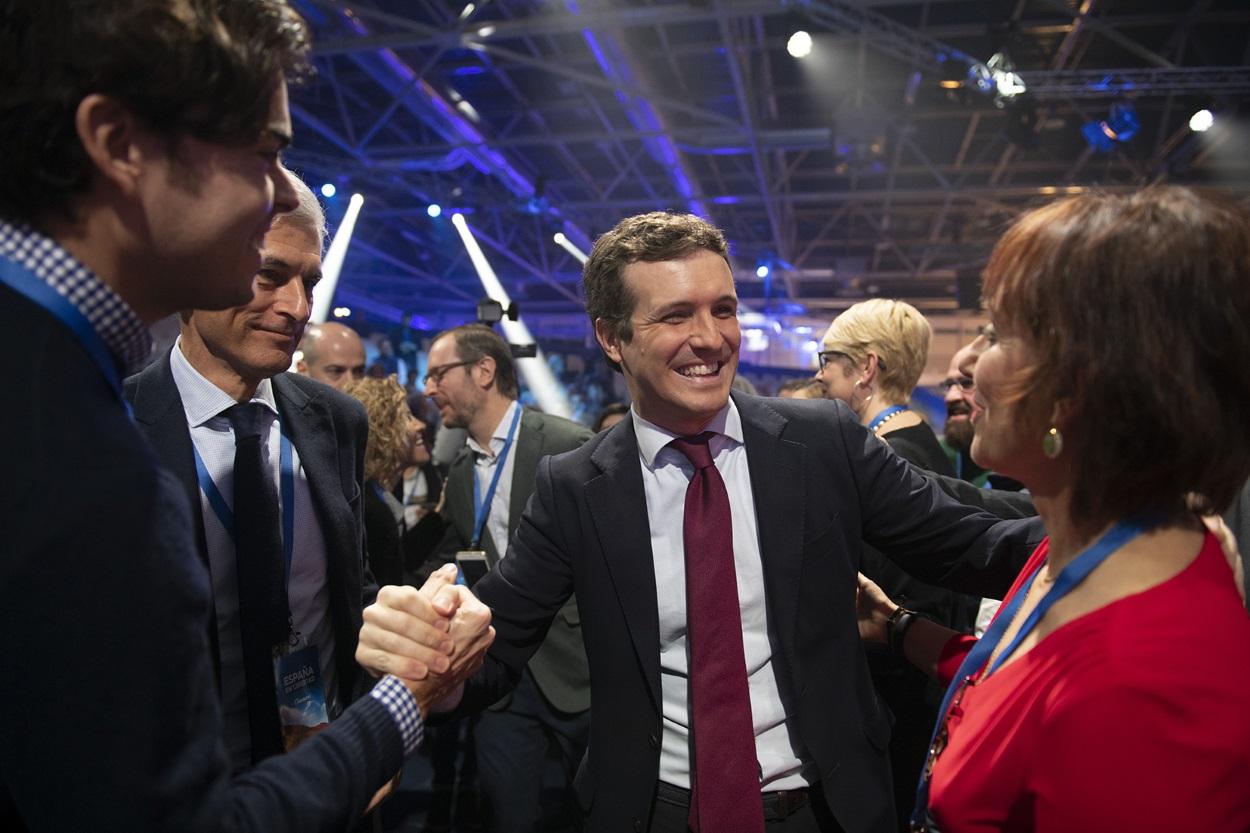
(778, 804)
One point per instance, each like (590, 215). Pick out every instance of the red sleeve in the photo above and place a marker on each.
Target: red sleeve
(958, 646)
(952, 656)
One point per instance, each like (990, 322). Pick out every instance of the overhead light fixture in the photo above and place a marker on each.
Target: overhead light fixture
(562, 240)
(799, 45)
(328, 190)
(1002, 75)
(1201, 121)
(342, 312)
(434, 209)
(1120, 125)
(762, 271)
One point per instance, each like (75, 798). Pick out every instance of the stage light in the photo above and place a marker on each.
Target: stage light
(1120, 125)
(565, 243)
(762, 271)
(536, 372)
(1201, 121)
(434, 209)
(332, 263)
(799, 45)
(328, 190)
(342, 312)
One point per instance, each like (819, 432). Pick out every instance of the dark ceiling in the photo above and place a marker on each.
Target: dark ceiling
(851, 172)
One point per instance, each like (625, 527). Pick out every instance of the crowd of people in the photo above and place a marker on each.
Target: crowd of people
(237, 597)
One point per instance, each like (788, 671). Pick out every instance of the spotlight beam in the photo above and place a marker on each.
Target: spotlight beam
(551, 397)
(332, 263)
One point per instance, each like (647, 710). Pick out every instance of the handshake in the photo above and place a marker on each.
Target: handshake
(432, 639)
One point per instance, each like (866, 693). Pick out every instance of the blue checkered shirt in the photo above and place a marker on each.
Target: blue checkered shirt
(393, 694)
(118, 326)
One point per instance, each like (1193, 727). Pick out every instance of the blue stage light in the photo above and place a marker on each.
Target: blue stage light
(434, 209)
(328, 190)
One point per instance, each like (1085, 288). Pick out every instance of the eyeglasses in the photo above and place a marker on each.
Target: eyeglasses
(826, 356)
(436, 374)
(966, 384)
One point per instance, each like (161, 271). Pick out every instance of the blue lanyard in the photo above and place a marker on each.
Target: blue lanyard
(886, 414)
(1071, 576)
(27, 284)
(224, 513)
(481, 508)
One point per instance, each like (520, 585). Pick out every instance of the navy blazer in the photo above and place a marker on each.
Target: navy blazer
(328, 430)
(108, 715)
(822, 484)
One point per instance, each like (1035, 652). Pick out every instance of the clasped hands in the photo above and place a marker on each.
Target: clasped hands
(432, 639)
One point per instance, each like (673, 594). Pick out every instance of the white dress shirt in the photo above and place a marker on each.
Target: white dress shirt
(308, 593)
(485, 461)
(665, 475)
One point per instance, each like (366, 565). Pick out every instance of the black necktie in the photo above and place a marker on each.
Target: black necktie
(263, 615)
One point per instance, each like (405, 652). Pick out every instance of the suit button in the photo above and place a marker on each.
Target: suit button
(654, 741)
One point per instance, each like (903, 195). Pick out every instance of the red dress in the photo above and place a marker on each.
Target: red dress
(1134, 717)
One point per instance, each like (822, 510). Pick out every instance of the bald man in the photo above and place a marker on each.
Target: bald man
(332, 353)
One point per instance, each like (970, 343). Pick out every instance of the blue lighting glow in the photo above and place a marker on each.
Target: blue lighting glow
(762, 270)
(434, 209)
(328, 190)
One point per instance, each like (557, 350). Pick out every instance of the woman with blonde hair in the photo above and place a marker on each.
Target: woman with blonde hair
(873, 356)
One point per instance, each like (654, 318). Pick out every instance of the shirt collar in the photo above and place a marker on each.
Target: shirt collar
(201, 399)
(500, 435)
(652, 439)
(117, 324)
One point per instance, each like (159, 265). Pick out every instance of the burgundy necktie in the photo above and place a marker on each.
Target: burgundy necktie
(725, 784)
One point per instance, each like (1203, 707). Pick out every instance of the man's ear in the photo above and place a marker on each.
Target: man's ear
(113, 140)
(608, 340)
(301, 367)
(484, 372)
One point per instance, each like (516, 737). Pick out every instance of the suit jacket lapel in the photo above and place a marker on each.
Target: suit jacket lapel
(618, 506)
(158, 407)
(528, 450)
(777, 484)
(311, 429)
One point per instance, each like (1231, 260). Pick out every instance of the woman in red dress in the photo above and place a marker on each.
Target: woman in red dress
(1112, 691)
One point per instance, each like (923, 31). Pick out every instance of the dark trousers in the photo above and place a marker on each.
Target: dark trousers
(669, 814)
(512, 747)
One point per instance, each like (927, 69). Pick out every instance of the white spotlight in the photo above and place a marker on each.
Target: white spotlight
(1201, 121)
(762, 270)
(537, 373)
(332, 263)
(565, 243)
(799, 45)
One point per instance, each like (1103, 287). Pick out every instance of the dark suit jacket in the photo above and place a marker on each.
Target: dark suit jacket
(559, 665)
(328, 429)
(108, 715)
(822, 483)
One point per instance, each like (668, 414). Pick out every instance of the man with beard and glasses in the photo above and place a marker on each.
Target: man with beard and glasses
(961, 412)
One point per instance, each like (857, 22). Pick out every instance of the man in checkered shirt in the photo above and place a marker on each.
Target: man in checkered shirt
(139, 177)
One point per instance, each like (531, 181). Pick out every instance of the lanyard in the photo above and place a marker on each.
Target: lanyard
(226, 515)
(886, 414)
(27, 284)
(1071, 576)
(481, 507)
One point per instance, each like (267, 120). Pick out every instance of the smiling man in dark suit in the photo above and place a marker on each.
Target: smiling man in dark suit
(183, 401)
(713, 542)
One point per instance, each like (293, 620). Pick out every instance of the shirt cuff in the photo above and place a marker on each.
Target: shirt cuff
(398, 700)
